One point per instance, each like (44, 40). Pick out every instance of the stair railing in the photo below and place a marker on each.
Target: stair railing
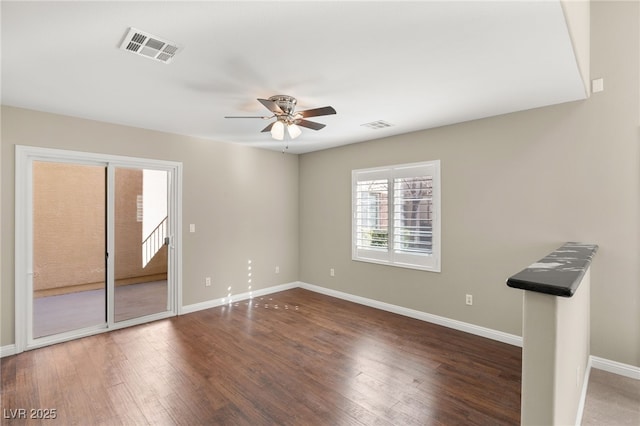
(154, 242)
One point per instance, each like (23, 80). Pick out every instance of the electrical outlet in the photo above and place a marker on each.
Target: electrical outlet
(332, 272)
(469, 299)
(207, 282)
(277, 269)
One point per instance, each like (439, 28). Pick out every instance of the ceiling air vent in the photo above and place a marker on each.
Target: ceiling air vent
(377, 124)
(149, 46)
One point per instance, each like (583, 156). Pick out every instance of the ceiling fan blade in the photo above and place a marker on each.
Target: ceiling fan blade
(310, 124)
(268, 128)
(315, 112)
(271, 106)
(248, 116)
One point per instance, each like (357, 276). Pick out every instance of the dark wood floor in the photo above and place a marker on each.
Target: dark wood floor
(294, 357)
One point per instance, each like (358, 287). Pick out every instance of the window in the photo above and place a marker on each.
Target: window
(396, 215)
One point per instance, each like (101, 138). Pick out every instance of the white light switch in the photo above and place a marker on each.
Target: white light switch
(597, 85)
(192, 227)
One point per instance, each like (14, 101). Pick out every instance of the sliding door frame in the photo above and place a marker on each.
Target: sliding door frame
(25, 155)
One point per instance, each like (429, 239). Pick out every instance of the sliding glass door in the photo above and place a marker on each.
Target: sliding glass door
(141, 243)
(69, 244)
(97, 243)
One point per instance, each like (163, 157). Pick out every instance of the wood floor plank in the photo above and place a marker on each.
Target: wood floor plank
(26, 385)
(8, 378)
(290, 358)
(128, 411)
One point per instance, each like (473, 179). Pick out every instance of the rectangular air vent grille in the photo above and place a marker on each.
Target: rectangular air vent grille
(377, 124)
(149, 46)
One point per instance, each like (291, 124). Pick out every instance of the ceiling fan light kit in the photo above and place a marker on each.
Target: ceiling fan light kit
(277, 130)
(294, 130)
(283, 109)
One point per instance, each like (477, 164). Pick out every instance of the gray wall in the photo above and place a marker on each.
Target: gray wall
(514, 187)
(243, 201)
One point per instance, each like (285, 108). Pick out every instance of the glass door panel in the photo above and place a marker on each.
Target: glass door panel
(69, 246)
(140, 237)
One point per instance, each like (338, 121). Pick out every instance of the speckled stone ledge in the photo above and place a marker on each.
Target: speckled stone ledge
(559, 273)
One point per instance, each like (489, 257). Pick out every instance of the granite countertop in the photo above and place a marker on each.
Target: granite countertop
(559, 273)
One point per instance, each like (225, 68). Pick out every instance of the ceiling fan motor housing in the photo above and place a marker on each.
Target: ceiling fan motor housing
(286, 103)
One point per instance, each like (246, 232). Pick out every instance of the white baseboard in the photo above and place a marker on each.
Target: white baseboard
(7, 350)
(615, 367)
(423, 316)
(236, 297)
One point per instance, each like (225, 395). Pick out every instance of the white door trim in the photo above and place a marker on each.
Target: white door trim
(25, 155)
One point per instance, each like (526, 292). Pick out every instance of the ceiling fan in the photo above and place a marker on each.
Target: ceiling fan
(283, 109)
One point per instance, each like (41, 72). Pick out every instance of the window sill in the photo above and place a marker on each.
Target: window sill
(435, 268)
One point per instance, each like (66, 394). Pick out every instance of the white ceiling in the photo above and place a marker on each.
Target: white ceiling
(416, 65)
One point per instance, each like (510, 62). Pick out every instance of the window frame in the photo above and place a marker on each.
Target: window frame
(393, 256)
